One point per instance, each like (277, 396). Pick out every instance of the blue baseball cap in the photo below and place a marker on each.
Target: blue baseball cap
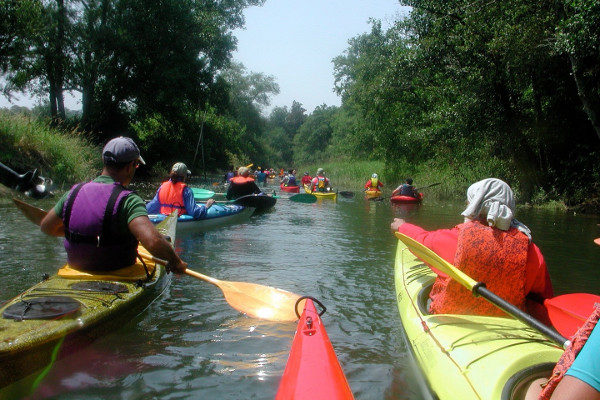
(121, 150)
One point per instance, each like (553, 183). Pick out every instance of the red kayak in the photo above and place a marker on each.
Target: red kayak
(406, 199)
(290, 189)
(312, 370)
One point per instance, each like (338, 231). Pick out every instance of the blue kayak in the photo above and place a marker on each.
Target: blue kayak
(217, 215)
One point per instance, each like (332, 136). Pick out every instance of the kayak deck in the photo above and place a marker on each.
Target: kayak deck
(312, 370)
(28, 345)
(464, 356)
(217, 215)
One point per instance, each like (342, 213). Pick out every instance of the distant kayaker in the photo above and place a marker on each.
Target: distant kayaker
(242, 185)
(306, 179)
(491, 246)
(320, 182)
(289, 179)
(577, 373)
(261, 176)
(102, 221)
(406, 189)
(229, 176)
(174, 194)
(374, 183)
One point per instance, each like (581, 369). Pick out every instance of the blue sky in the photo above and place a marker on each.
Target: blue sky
(294, 41)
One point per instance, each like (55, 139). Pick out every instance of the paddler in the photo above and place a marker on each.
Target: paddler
(306, 179)
(174, 194)
(374, 183)
(491, 246)
(289, 179)
(320, 182)
(102, 221)
(242, 185)
(406, 189)
(577, 373)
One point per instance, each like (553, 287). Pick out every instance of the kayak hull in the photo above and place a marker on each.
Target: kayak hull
(29, 345)
(218, 215)
(290, 189)
(406, 199)
(372, 194)
(464, 356)
(312, 370)
(321, 195)
(260, 202)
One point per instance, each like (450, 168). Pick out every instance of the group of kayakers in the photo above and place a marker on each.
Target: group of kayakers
(103, 222)
(404, 189)
(492, 246)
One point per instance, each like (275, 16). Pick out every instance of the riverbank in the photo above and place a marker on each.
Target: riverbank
(29, 143)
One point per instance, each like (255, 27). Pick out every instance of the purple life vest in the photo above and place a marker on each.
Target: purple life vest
(92, 240)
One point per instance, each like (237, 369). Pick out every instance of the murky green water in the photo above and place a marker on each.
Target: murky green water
(190, 344)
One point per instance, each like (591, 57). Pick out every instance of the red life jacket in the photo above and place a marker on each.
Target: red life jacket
(489, 255)
(566, 360)
(241, 179)
(170, 197)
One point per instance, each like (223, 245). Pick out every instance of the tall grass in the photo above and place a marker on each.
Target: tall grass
(27, 143)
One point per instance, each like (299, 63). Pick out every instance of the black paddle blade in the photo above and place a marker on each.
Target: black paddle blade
(346, 194)
(304, 198)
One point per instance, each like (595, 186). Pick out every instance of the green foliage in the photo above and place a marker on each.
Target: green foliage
(29, 143)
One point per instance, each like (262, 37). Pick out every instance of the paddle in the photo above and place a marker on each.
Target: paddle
(568, 312)
(479, 289)
(255, 300)
(346, 194)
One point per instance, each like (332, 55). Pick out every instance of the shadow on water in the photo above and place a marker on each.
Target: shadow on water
(189, 343)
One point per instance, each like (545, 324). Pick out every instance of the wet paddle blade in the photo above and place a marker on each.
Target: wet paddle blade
(303, 198)
(34, 214)
(346, 194)
(597, 241)
(569, 311)
(258, 301)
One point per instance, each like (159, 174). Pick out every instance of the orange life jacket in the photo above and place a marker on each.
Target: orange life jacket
(566, 360)
(170, 197)
(490, 255)
(241, 179)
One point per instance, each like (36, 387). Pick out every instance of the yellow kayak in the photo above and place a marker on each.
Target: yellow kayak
(466, 356)
(321, 195)
(372, 194)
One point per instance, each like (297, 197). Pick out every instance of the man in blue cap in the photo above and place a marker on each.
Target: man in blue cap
(103, 222)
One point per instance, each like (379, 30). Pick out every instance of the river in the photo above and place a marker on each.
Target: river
(190, 344)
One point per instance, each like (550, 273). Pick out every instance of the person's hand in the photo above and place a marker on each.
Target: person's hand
(397, 223)
(210, 202)
(179, 267)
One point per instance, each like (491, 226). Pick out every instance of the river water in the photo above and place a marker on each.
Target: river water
(190, 344)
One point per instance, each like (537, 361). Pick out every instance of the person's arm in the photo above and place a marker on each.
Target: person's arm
(155, 243)
(153, 206)
(52, 224)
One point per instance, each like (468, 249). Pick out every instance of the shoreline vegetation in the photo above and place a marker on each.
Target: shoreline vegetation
(69, 156)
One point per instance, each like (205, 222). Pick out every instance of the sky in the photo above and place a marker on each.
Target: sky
(294, 41)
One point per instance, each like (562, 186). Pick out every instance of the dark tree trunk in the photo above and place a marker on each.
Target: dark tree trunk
(587, 89)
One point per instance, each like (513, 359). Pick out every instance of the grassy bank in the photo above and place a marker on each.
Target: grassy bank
(29, 143)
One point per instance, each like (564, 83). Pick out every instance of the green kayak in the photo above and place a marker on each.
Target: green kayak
(463, 356)
(61, 312)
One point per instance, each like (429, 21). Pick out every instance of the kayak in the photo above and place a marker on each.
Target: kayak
(321, 195)
(406, 199)
(290, 189)
(217, 215)
(312, 370)
(372, 194)
(260, 201)
(466, 356)
(71, 307)
(202, 194)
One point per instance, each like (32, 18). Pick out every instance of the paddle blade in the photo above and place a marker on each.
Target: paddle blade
(260, 301)
(346, 194)
(34, 214)
(597, 241)
(304, 198)
(569, 311)
(437, 262)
